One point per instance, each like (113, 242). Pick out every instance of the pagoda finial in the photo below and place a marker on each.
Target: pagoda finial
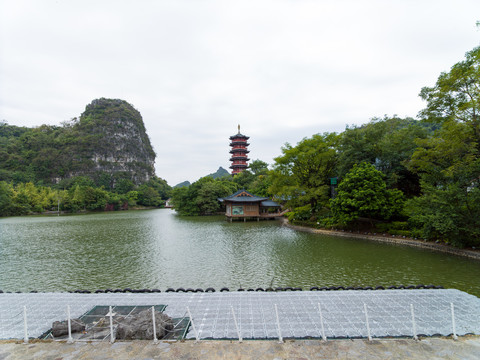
(239, 128)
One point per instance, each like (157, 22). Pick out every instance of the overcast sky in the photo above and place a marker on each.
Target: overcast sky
(283, 69)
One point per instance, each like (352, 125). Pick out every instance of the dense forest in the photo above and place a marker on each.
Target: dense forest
(80, 194)
(417, 178)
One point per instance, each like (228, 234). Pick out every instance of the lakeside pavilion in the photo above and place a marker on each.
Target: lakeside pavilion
(244, 205)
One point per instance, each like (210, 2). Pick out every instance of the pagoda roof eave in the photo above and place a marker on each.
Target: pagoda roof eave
(239, 136)
(244, 143)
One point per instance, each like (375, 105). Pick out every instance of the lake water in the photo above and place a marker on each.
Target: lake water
(159, 249)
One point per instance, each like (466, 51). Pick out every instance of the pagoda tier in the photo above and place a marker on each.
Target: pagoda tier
(233, 158)
(239, 152)
(239, 142)
(239, 166)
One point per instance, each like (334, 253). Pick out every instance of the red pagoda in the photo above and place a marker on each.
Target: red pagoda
(239, 152)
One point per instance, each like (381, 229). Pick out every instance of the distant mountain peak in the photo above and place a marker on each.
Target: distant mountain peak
(219, 173)
(182, 184)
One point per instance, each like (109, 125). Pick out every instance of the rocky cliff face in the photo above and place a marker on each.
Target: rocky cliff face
(107, 143)
(113, 140)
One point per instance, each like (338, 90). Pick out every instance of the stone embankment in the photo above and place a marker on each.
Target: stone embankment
(473, 254)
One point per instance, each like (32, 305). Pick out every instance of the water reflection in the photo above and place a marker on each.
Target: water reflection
(158, 249)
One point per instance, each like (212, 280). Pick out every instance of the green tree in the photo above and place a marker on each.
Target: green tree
(95, 198)
(201, 197)
(448, 162)
(132, 197)
(363, 193)
(123, 186)
(447, 157)
(209, 193)
(258, 167)
(103, 179)
(184, 201)
(449, 166)
(6, 199)
(48, 198)
(148, 196)
(388, 144)
(74, 181)
(261, 185)
(450, 213)
(161, 186)
(301, 175)
(29, 196)
(77, 197)
(21, 201)
(456, 94)
(244, 179)
(116, 202)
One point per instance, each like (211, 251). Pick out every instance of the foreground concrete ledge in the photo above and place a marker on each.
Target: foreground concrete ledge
(467, 347)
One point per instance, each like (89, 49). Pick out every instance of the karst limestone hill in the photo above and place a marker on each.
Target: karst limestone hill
(106, 143)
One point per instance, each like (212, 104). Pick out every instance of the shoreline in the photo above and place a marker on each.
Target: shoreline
(472, 254)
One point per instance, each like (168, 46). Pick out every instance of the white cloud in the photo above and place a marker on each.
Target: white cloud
(282, 69)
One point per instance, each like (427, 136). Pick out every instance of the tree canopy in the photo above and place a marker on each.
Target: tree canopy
(80, 194)
(448, 162)
(300, 176)
(363, 193)
(201, 198)
(456, 94)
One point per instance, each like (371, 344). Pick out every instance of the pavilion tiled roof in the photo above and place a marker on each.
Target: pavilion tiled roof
(243, 196)
(269, 203)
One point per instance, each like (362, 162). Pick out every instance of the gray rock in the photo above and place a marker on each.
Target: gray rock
(60, 328)
(140, 326)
